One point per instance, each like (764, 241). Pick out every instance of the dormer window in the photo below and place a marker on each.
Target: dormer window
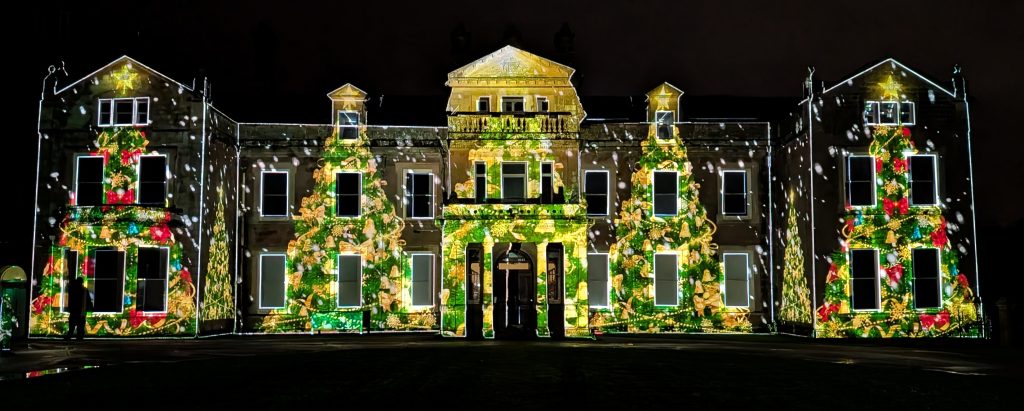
(483, 104)
(348, 121)
(665, 120)
(512, 104)
(889, 113)
(542, 104)
(123, 112)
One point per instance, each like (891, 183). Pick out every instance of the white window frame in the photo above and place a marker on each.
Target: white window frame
(167, 278)
(259, 275)
(608, 190)
(654, 271)
(538, 101)
(343, 127)
(874, 181)
(430, 283)
(877, 104)
(167, 164)
(124, 280)
(935, 181)
(405, 189)
(337, 276)
(334, 193)
(287, 191)
(878, 281)
(938, 276)
(725, 281)
(654, 192)
(526, 177)
(658, 123)
(913, 113)
(481, 99)
(607, 280)
(746, 192)
(111, 121)
(77, 160)
(502, 102)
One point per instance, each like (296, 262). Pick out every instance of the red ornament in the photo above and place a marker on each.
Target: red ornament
(833, 273)
(939, 235)
(186, 276)
(878, 165)
(137, 318)
(962, 279)
(160, 233)
(906, 132)
(899, 165)
(41, 303)
(888, 205)
(827, 310)
(934, 320)
(904, 206)
(895, 273)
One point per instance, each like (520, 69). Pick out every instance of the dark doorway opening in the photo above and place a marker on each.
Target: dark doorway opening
(515, 295)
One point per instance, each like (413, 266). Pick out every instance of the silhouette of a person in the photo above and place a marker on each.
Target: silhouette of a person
(78, 302)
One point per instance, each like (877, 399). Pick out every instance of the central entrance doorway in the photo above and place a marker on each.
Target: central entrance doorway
(515, 295)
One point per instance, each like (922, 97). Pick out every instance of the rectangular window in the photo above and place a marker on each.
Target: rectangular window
(419, 194)
(512, 104)
(888, 112)
(274, 194)
(107, 285)
(104, 112)
(547, 181)
(542, 104)
(348, 191)
(70, 272)
(513, 181)
(142, 111)
(907, 113)
(737, 279)
(483, 104)
(666, 120)
(273, 282)
(595, 184)
(666, 279)
(734, 192)
(89, 181)
(597, 279)
(871, 112)
(864, 279)
(153, 180)
(422, 279)
(927, 278)
(923, 187)
(350, 280)
(124, 111)
(860, 181)
(480, 178)
(151, 282)
(474, 272)
(666, 193)
(556, 275)
(348, 122)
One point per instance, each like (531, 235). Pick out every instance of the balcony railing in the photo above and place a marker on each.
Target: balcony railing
(515, 123)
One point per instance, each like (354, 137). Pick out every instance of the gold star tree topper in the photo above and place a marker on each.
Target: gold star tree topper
(124, 79)
(891, 89)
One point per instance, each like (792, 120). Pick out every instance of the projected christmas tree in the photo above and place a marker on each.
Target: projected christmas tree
(218, 289)
(901, 237)
(321, 235)
(796, 295)
(691, 299)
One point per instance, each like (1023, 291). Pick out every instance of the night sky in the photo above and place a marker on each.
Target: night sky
(275, 64)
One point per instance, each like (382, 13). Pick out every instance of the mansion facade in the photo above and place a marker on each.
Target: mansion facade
(849, 214)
